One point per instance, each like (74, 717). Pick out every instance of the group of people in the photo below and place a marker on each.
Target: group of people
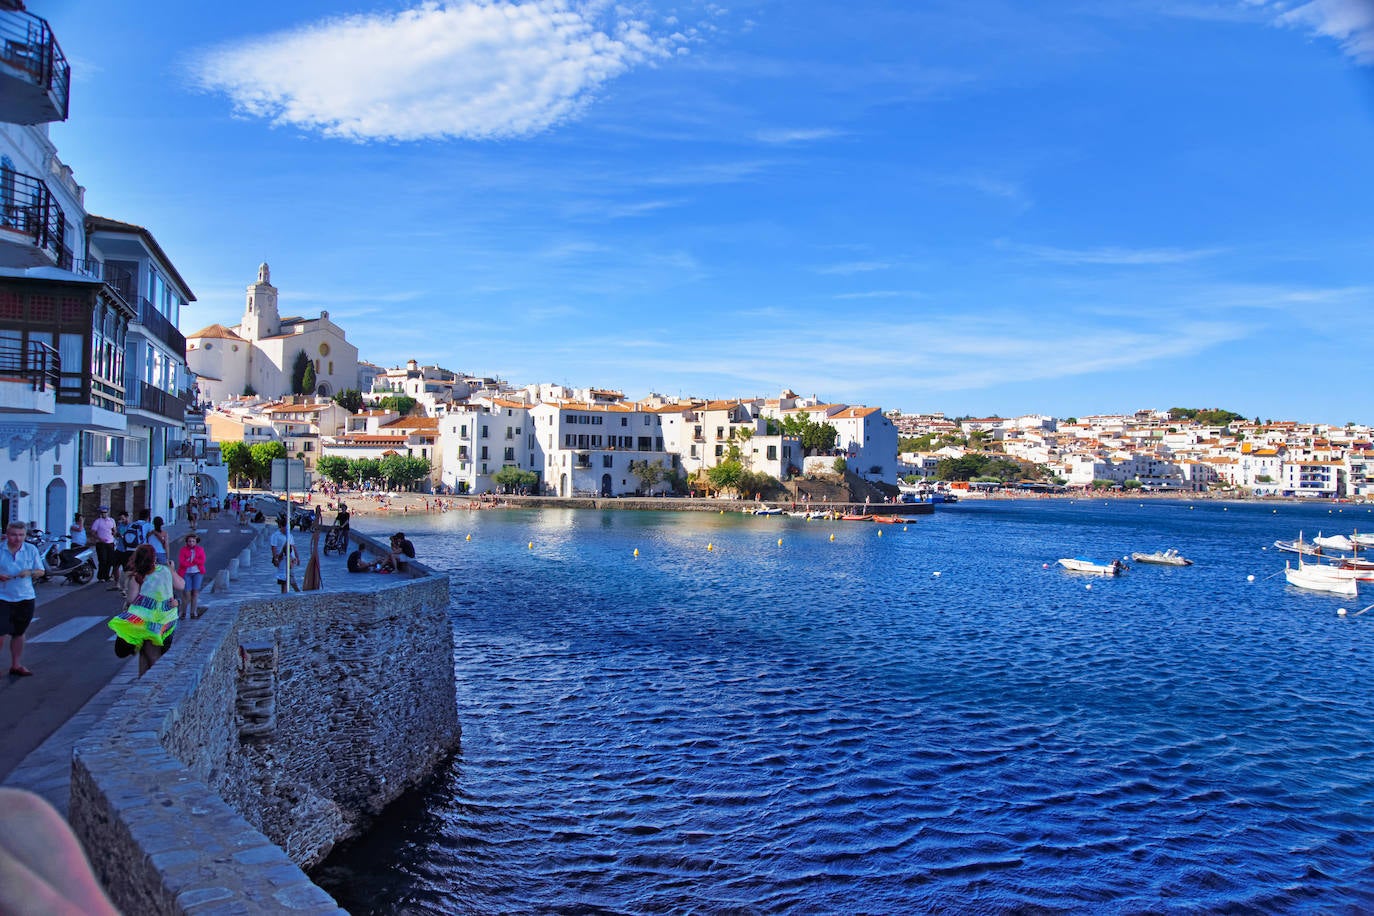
(397, 559)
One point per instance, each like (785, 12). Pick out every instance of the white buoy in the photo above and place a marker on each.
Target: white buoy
(1088, 587)
(1250, 578)
(936, 574)
(1340, 612)
(1044, 566)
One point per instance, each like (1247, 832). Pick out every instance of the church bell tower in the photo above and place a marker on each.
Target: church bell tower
(260, 316)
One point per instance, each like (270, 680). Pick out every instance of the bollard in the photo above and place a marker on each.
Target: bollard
(233, 568)
(221, 584)
(245, 558)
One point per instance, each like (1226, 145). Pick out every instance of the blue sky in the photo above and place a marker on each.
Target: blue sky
(971, 207)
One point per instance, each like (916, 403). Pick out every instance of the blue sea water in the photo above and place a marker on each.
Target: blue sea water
(751, 716)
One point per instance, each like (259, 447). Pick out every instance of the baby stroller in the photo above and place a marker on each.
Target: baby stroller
(336, 538)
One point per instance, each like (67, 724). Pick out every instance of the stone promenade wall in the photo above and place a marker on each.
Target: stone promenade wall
(285, 724)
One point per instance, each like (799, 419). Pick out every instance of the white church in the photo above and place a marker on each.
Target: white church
(258, 355)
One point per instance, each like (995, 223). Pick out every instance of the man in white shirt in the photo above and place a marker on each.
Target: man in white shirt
(283, 555)
(20, 562)
(103, 530)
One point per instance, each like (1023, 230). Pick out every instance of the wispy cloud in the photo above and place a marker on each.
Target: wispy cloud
(474, 69)
(853, 267)
(796, 135)
(883, 294)
(1349, 22)
(1115, 256)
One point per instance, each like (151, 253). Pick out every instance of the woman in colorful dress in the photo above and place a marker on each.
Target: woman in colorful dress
(150, 620)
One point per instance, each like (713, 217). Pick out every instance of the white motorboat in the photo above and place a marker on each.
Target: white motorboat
(1304, 576)
(1078, 564)
(1168, 557)
(1362, 540)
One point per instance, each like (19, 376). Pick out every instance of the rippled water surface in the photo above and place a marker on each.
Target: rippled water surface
(901, 719)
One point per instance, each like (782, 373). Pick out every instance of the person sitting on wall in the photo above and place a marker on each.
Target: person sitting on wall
(401, 551)
(358, 563)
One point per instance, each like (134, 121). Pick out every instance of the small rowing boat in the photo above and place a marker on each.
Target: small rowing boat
(1078, 564)
(1168, 557)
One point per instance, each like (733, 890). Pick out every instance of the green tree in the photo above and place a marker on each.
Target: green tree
(725, 476)
(1132, 485)
(363, 469)
(333, 468)
(649, 475)
(511, 477)
(1101, 484)
(401, 403)
(841, 465)
(249, 391)
(238, 459)
(402, 471)
(298, 372)
(922, 443)
(308, 379)
(264, 453)
(350, 399)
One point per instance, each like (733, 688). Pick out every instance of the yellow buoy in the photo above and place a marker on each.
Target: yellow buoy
(710, 546)
(779, 542)
(636, 551)
(880, 532)
(469, 537)
(832, 537)
(531, 545)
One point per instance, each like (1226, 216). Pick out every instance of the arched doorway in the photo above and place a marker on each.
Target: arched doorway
(605, 484)
(56, 503)
(563, 485)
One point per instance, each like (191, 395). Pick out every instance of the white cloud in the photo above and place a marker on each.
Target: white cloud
(796, 135)
(853, 267)
(474, 69)
(1116, 256)
(1349, 22)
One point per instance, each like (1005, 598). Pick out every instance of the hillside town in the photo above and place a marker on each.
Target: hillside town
(109, 403)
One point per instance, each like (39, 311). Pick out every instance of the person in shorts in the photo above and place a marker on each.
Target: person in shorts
(20, 562)
(191, 568)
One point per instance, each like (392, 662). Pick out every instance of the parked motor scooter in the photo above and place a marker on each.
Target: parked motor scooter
(76, 565)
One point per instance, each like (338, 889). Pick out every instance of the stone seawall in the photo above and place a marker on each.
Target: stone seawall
(284, 726)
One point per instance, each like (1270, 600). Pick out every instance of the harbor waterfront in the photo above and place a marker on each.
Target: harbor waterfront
(671, 712)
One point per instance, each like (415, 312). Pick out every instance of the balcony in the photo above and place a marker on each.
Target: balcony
(168, 407)
(28, 377)
(156, 324)
(35, 78)
(27, 207)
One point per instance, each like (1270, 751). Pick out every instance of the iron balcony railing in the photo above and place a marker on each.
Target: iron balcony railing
(142, 396)
(160, 327)
(27, 206)
(28, 47)
(35, 362)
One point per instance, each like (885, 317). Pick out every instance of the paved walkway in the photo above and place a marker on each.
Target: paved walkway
(77, 676)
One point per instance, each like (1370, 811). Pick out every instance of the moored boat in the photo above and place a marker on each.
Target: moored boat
(888, 519)
(856, 518)
(1309, 577)
(1079, 564)
(1305, 548)
(1168, 557)
(1334, 542)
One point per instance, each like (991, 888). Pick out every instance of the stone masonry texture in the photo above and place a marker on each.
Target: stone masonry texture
(285, 725)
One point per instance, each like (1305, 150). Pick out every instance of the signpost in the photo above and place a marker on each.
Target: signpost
(289, 474)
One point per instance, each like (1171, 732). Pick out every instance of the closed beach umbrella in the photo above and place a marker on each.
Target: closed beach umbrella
(312, 581)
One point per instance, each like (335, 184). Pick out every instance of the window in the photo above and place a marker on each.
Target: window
(484, 457)
(720, 450)
(624, 421)
(324, 351)
(606, 461)
(772, 453)
(509, 455)
(484, 430)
